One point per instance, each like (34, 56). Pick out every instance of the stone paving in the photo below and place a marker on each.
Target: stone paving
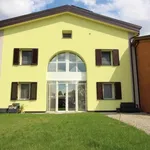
(139, 120)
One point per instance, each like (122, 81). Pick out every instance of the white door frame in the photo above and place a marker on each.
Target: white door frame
(66, 77)
(66, 102)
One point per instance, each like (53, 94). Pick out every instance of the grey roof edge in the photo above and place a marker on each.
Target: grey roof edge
(144, 37)
(71, 9)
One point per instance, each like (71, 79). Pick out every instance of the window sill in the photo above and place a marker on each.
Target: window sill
(109, 99)
(66, 38)
(24, 100)
(25, 65)
(107, 66)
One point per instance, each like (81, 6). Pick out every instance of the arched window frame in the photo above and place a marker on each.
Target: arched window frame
(64, 63)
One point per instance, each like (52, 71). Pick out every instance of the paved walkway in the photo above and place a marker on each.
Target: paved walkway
(140, 120)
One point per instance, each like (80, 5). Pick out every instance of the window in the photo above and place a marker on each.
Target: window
(24, 91)
(108, 91)
(76, 64)
(61, 67)
(26, 57)
(106, 58)
(67, 34)
(67, 96)
(66, 62)
(62, 62)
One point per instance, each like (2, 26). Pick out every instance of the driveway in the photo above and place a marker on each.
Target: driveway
(140, 120)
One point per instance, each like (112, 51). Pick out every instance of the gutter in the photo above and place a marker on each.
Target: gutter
(134, 67)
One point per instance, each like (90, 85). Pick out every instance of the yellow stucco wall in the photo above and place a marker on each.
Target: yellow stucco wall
(46, 35)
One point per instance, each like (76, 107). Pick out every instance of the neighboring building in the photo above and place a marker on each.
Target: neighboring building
(66, 59)
(141, 48)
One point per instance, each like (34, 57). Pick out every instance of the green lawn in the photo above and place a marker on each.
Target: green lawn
(85, 131)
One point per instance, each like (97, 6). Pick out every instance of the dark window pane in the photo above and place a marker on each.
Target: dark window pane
(81, 97)
(71, 97)
(107, 91)
(67, 35)
(72, 67)
(26, 57)
(81, 67)
(106, 58)
(61, 67)
(24, 91)
(52, 67)
(53, 59)
(79, 59)
(61, 57)
(72, 58)
(52, 97)
(61, 97)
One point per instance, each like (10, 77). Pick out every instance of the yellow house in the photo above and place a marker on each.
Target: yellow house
(66, 59)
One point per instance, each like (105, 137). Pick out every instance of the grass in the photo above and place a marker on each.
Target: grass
(85, 131)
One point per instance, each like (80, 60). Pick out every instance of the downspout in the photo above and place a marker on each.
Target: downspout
(134, 68)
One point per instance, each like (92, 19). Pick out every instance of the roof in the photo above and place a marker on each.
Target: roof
(71, 9)
(145, 37)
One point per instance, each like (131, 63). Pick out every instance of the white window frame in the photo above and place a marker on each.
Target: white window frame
(67, 62)
(113, 91)
(111, 61)
(19, 90)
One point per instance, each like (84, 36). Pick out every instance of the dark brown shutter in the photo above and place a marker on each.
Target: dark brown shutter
(118, 93)
(34, 56)
(33, 91)
(115, 55)
(16, 56)
(99, 90)
(14, 91)
(98, 57)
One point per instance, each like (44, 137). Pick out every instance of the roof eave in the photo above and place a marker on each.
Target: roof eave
(71, 9)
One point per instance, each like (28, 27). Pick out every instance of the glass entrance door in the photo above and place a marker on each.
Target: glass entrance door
(71, 97)
(67, 96)
(61, 97)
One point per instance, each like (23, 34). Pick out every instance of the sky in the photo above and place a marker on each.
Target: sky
(133, 11)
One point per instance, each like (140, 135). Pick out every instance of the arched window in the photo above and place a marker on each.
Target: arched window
(66, 62)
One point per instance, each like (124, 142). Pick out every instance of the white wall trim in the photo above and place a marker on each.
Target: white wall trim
(66, 76)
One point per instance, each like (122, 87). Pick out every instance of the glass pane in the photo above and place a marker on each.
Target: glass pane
(106, 58)
(71, 97)
(72, 58)
(67, 35)
(61, 57)
(79, 59)
(24, 91)
(72, 67)
(54, 59)
(81, 97)
(26, 57)
(61, 67)
(61, 97)
(52, 67)
(81, 67)
(107, 90)
(52, 97)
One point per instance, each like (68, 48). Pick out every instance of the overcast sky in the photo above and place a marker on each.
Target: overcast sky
(134, 11)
